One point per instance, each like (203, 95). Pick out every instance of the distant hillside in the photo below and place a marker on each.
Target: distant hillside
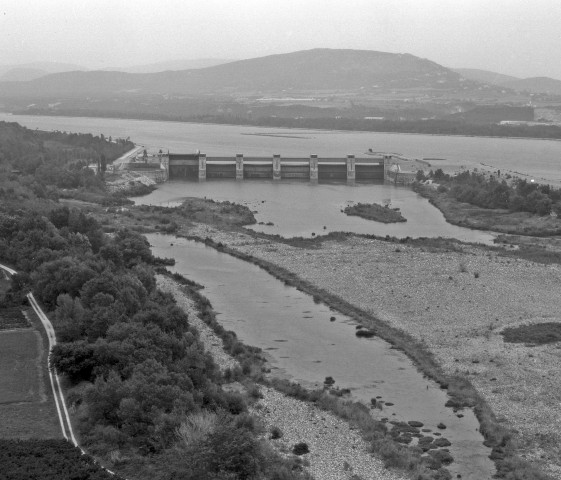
(312, 70)
(485, 76)
(47, 67)
(22, 74)
(532, 84)
(171, 65)
(536, 85)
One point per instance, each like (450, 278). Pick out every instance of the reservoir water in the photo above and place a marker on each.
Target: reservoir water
(540, 159)
(301, 209)
(304, 345)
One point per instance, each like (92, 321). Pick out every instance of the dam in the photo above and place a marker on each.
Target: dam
(198, 166)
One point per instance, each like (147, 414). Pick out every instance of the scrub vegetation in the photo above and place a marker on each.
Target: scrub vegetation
(378, 213)
(507, 205)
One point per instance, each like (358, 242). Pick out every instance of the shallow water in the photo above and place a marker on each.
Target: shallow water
(305, 346)
(302, 209)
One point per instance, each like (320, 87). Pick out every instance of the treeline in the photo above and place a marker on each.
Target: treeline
(47, 460)
(517, 195)
(144, 390)
(36, 164)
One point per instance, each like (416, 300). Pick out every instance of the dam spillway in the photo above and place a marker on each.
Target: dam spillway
(312, 168)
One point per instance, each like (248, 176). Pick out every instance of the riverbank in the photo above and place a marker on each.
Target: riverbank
(337, 450)
(443, 303)
(497, 220)
(454, 304)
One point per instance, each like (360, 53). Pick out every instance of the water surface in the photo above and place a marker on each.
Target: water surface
(304, 345)
(540, 159)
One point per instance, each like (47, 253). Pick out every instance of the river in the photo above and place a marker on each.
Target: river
(540, 159)
(303, 344)
(299, 209)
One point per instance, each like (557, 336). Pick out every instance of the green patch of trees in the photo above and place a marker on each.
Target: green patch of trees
(41, 165)
(135, 367)
(518, 195)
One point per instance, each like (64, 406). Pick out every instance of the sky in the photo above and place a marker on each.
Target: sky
(513, 37)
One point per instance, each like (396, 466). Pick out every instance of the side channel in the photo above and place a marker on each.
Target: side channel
(304, 345)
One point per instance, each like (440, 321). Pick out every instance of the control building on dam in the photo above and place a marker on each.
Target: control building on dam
(374, 168)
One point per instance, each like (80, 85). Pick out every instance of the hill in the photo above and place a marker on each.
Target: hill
(536, 85)
(171, 65)
(309, 70)
(22, 74)
(47, 67)
(485, 76)
(532, 84)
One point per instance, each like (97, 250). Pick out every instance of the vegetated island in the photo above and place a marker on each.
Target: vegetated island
(503, 204)
(373, 211)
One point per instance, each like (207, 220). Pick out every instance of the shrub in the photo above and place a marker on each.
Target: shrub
(539, 334)
(276, 432)
(300, 449)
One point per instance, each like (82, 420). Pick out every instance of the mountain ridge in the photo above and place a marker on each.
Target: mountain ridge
(316, 69)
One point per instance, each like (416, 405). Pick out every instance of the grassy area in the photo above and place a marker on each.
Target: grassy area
(12, 317)
(373, 211)
(20, 352)
(26, 406)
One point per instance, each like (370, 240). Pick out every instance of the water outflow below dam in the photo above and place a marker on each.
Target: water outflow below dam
(302, 344)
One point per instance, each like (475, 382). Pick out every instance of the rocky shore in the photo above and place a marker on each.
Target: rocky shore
(456, 303)
(337, 451)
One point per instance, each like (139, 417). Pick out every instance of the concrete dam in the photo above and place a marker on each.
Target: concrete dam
(312, 168)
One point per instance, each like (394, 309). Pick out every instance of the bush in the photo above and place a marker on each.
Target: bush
(539, 334)
(276, 432)
(300, 449)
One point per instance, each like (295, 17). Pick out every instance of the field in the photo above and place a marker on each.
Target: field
(26, 406)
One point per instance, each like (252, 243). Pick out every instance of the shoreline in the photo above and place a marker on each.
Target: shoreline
(499, 436)
(319, 130)
(337, 450)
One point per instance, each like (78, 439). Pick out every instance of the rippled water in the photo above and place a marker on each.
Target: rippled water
(305, 345)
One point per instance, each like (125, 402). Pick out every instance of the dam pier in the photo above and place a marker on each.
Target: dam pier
(375, 168)
(312, 168)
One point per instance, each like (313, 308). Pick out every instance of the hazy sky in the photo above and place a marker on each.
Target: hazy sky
(516, 37)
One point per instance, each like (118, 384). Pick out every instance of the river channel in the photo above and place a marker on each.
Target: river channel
(300, 209)
(303, 344)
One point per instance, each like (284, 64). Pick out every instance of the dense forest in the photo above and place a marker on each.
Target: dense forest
(48, 165)
(514, 194)
(147, 397)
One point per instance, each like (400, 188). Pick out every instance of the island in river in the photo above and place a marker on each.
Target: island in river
(373, 211)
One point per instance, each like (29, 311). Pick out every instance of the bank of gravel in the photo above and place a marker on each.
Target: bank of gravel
(456, 303)
(337, 451)
(211, 342)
